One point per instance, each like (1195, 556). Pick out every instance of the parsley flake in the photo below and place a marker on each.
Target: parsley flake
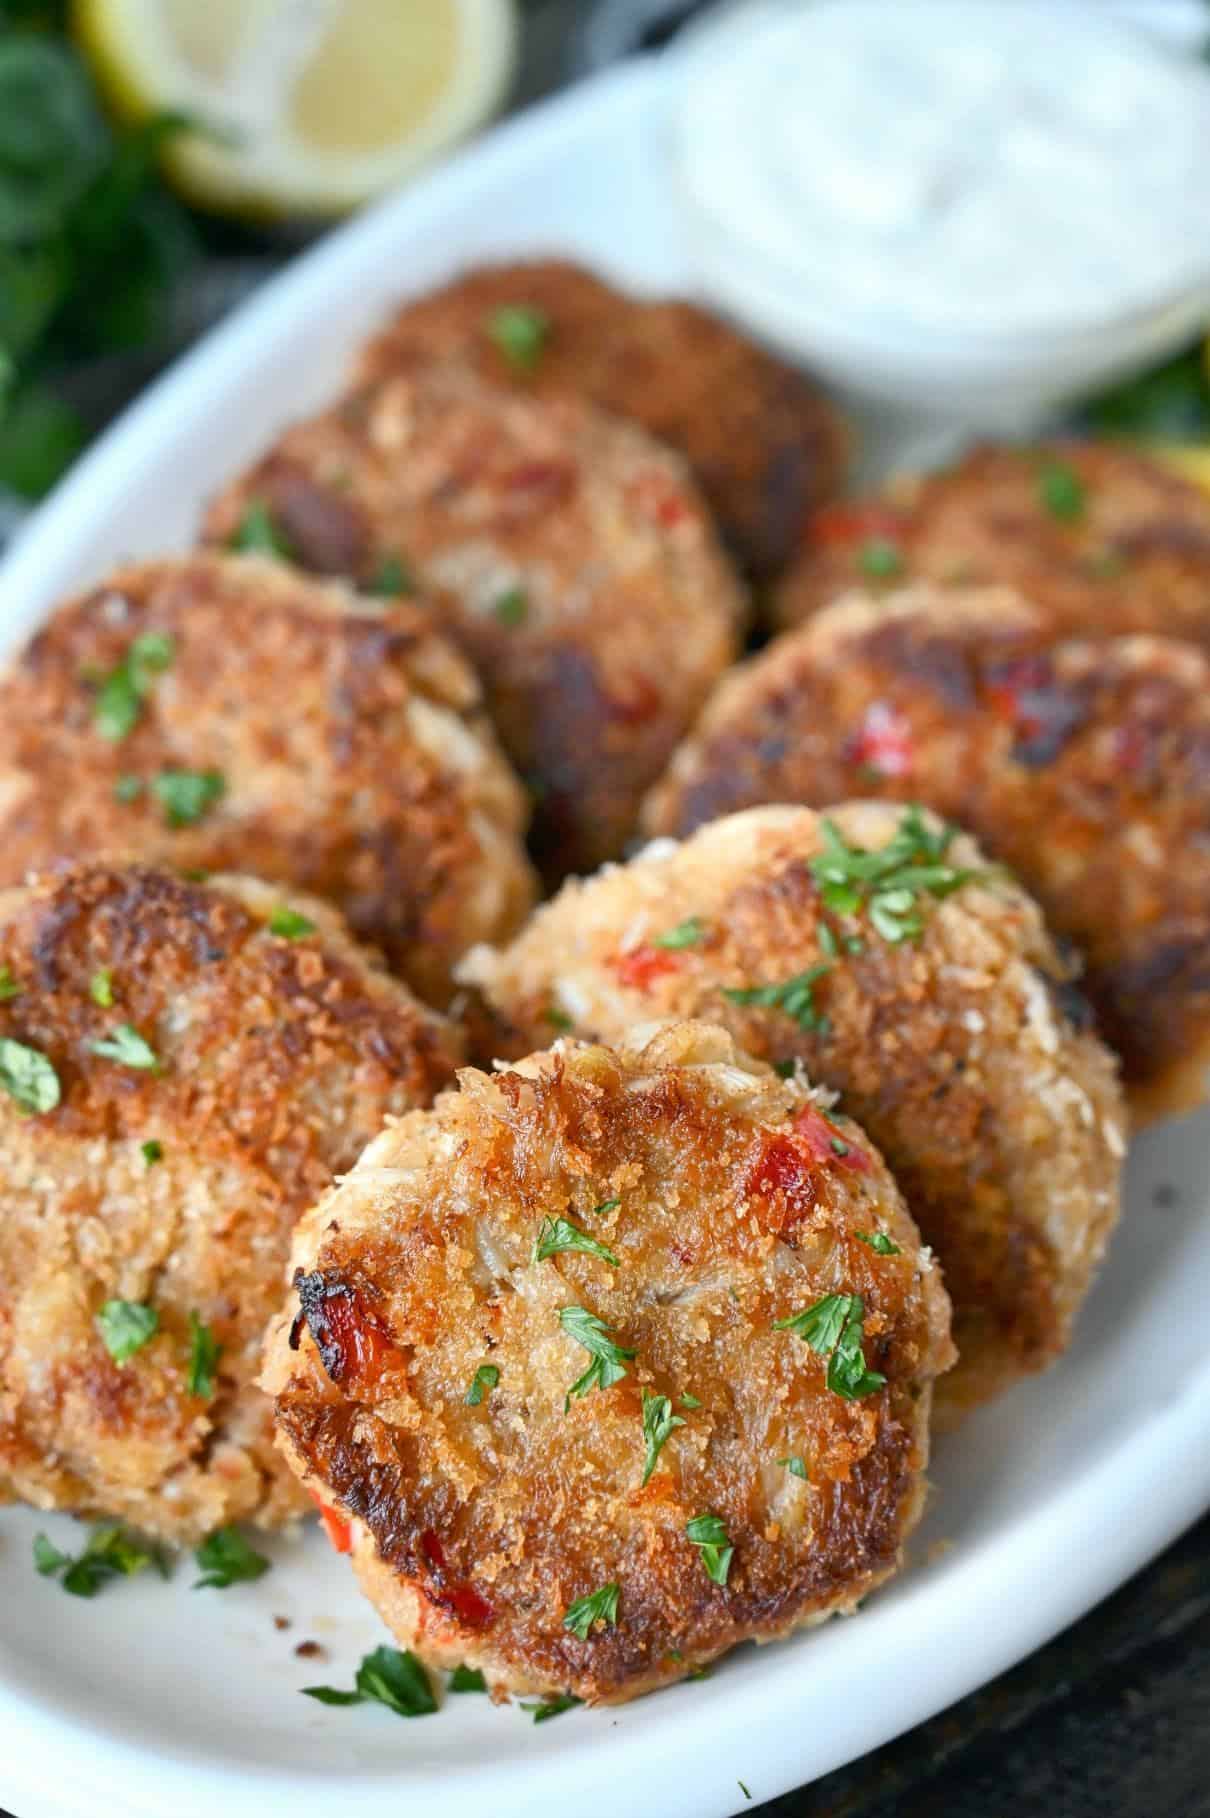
(519, 332)
(558, 1019)
(486, 1377)
(391, 579)
(606, 1205)
(1061, 491)
(833, 1327)
(128, 1047)
(686, 934)
(880, 558)
(879, 1242)
(888, 882)
(690, 1401)
(153, 1152)
(186, 795)
(226, 1559)
(100, 988)
(795, 1465)
(257, 534)
(598, 1606)
(608, 1359)
(122, 692)
(708, 1532)
(388, 1677)
(126, 1326)
(551, 1707)
(512, 606)
(659, 1423)
(109, 1552)
(466, 1679)
(204, 1353)
(289, 924)
(9, 988)
(28, 1077)
(559, 1234)
(795, 996)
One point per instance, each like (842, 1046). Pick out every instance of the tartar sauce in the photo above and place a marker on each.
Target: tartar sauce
(982, 166)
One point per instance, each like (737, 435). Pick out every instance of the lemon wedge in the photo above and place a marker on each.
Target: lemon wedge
(309, 106)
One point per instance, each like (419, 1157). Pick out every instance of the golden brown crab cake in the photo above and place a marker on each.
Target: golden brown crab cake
(1085, 766)
(566, 553)
(1102, 539)
(227, 713)
(183, 1068)
(601, 1365)
(952, 1034)
(766, 446)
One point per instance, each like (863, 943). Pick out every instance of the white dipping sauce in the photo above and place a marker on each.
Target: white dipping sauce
(952, 163)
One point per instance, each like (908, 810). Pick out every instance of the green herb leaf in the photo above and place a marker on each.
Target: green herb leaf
(686, 934)
(551, 1707)
(257, 534)
(558, 1019)
(27, 1076)
(9, 988)
(795, 1465)
(328, 1694)
(598, 1606)
(690, 1401)
(708, 1532)
(880, 558)
(122, 692)
(109, 1552)
(186, 795)
(512, 606)
(392, 579)
(100, 988)
(890, 881)
(608, 1359)
(466, 1679)
(606, 1205)
(386, 1677)
(153, 1152)
(289, 924)
(225, 1558)
(520, 332)
(1061, 491)
(659, 1422)
(47, 1557)
(879, 1242)
(795, 997)
(559, 1234)
(126, 1326)
(834, 1328)
(128, 1047)
(819, 1325)
(486, 1377)
(204, 1353)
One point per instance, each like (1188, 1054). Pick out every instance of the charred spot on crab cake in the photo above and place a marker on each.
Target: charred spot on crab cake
(882, 952)
(566, 553)
(644, 1357)
(766, 446)
(183, 1067)
(1084, 765)
(227, 713)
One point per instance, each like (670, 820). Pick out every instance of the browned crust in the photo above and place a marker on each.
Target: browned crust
(490, 1520)
(628, 610)
(766, 446)
(1134, 558)
(1084, 766)
(356, 758)
(278, 1060)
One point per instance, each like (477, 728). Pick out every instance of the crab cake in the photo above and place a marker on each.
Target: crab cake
(1101, 539)
(601, 1365)
(765, 445)
(1085, 766)
(946, 1026)
(223, 713)
(183, 1067)
(569, 557)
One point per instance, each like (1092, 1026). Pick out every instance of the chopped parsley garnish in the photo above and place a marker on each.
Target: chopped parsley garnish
(879, 1242)
(289, 924)
(109, 1552)
(880, 558)
(795, 996)
(690, 1401)
(384, 1677)
(128, 1047)
(558, 1019)
(486, 1377)
(606, 1205)
(559, 1234)
(598, 1606)
(466, 1679)
(686, 934)
(122, 692)
(1061, 491)
(795, 1465)
(551, 1707)
(785, 1069)
(519, 332)
(391, 579)
(204, 1353)
(833, 1328)
(9, 988)
(226, 1559)
(186, 795)
(709, 1533)
(257, 534)
(743, 1789)
(608, 1359)
(126, 1326)
(27, 1076)
(659, 1423)
(153, 1152)
(128, 788)
(512, 606)
(827, 940)
(100, 988)
(888, 882)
